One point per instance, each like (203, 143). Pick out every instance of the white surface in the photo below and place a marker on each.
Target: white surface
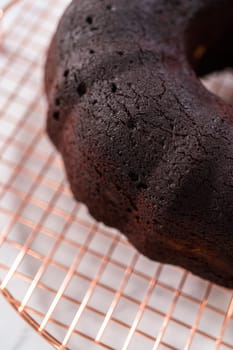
(15, 333)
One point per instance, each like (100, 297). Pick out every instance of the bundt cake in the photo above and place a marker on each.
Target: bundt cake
(145, 146)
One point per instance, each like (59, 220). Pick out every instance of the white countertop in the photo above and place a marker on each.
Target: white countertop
(15, 333)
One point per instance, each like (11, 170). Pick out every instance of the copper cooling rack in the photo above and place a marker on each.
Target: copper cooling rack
(78, 283)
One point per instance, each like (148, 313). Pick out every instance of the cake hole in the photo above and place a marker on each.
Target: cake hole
(129, 85)
(131, 123)
(66, 73)
(141, 186)
(120, 53)
(133, 176)
(113, 87)
(162, 142)
(91, 51)
(82, 89)
(89, 19)
(56, 115)
(109, 7)
(98, 171)
(57, 101)
(208, 51)
(94, 102)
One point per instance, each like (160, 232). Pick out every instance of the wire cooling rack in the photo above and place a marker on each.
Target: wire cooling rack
(78, 283)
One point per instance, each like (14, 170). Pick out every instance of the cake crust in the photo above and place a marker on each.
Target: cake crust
(145, 146)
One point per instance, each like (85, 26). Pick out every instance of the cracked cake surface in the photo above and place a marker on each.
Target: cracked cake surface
(145, 146)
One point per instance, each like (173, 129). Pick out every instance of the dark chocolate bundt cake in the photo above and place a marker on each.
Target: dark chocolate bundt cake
(146, 147)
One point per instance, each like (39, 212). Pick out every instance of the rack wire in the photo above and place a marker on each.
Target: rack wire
(78, 283)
